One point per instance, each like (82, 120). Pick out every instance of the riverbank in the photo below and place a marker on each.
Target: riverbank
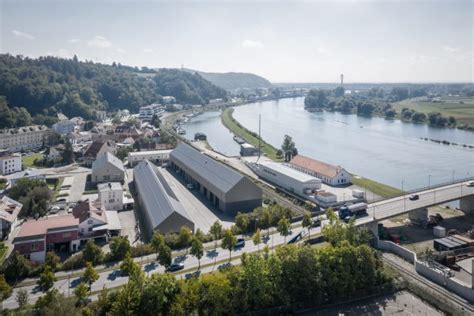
(249, 136)
(375, 187)
(235, 127)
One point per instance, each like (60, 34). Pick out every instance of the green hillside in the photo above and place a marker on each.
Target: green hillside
(234, 80)
(48, 85)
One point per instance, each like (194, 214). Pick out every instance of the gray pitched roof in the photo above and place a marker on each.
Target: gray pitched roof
(223, 177)
(159, 204)
(105, 159)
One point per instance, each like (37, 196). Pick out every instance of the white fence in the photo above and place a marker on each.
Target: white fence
(430, 272)
(403, 252)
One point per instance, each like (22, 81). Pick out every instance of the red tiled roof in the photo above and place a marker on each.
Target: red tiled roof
(33, 227)
(87, 209)
(315, 165)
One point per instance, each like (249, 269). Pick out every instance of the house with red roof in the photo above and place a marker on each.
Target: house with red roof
(329, 174)
(57, 233)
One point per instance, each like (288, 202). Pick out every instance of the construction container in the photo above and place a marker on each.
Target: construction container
(358, 194)
(439, 231)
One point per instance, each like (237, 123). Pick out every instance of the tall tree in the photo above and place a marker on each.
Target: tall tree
(307, 222)
(5, 289)
(164, 256)
(257, 239)
(46, 279)
(283, 227)
(228, 242)
(157, 241)
(185, 237)
(216, 231)
(90, 275)
(92, 253)
(197, 250)
(81, 292)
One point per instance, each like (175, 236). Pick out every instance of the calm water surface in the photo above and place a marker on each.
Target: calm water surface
(386, 151)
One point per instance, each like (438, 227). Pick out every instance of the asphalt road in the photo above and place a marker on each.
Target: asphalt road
(112, 278)
(400, 205)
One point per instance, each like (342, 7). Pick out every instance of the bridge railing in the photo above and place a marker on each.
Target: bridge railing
(431, 187)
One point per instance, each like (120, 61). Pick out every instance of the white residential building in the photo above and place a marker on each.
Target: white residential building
(155, 156)
(146, 112)
(10, 164)
(329, 174)
(9, 210)
(111, 196)
(64, 127)
(24, 138)
(107, 168)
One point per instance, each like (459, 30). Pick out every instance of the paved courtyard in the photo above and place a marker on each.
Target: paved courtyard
(199, 211)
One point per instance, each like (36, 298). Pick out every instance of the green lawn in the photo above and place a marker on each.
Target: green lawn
(250, 137)
(28, 161)
(377, 188)
(460, 108)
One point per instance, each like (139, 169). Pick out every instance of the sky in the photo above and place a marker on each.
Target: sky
(284, 41)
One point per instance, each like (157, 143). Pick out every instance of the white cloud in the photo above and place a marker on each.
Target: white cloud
(99, 41)
(148, 50)
(62, 52)
(252, 44)
(450, 49)
(121, 51)
(23, 35)
(74, 40)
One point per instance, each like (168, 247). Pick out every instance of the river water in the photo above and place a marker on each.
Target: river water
(388, 151)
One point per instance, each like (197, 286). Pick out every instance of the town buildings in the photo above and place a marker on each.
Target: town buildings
(24, 138)
(33, 174)
(111, 196)
(329, 174)
(97, 149)
(227, 189)
(9, 163)
(161, 210)
(52, 233)
(64, 127)
(146, 113)
(95, 221)
(107, 168)
(155, 156)
(9, 210)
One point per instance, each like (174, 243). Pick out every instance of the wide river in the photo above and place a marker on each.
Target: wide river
(383, 150)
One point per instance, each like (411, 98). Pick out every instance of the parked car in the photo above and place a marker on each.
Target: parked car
(240, 243)
(316, 223)
(414, 197)
(190, 186)
(54, 209)
(470, 184)
(224, 266)
(175, 266)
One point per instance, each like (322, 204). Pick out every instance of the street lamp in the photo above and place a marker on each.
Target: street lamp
(404, 197)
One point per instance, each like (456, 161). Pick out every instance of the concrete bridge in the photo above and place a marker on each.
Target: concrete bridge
(417, 209)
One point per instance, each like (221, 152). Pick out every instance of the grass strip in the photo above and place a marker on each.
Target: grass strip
(249, 136)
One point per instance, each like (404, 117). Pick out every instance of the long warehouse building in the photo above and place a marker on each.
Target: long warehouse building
(227, 189)
(159, 206)
(287, 178)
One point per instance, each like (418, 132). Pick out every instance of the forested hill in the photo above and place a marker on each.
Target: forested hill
(47, 85)
(234, 80)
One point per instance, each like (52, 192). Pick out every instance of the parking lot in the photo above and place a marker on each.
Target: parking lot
(201, 213)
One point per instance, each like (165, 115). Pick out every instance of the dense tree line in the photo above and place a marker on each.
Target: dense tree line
(48, 85)
(289, 279)
(33, 194)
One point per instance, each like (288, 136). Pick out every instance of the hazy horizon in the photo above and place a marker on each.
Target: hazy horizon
(297, 42)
